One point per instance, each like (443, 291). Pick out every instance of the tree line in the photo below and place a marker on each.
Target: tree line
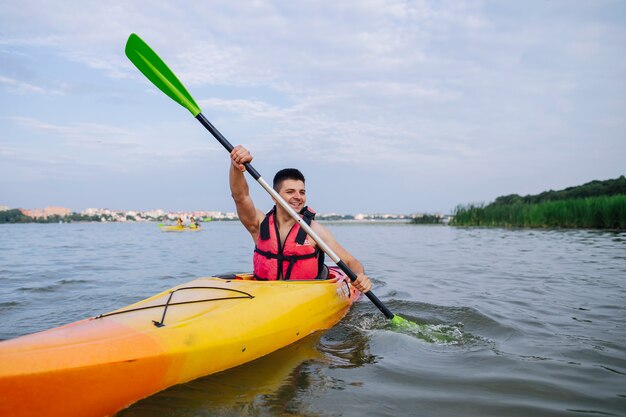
(16, 216)
(596, 205)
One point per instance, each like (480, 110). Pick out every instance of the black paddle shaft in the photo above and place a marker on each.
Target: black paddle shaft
(225, 143)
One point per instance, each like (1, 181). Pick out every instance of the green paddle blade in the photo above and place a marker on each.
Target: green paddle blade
(153, 67)
(428, 333)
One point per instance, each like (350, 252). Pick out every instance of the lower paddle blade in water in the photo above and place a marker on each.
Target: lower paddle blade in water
(429, 333)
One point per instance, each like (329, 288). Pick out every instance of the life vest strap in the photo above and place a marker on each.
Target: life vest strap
(278, 256)
(264, 233)
(307, 216)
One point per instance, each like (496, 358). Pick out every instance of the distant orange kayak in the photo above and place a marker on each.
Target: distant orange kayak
(98, 366)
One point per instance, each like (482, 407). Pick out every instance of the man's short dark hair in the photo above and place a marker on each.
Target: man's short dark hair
(286, 174)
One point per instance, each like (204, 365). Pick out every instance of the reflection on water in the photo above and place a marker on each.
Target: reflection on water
(535, 318)
(346, 346)
(268, 385)
(271, 385)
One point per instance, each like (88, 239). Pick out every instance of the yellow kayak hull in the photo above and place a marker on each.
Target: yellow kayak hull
(97, 366)
(179, 229)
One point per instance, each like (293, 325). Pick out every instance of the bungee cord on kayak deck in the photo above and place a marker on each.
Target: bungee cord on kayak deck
(169, 303)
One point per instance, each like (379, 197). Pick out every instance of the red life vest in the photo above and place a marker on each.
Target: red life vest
(295, 259)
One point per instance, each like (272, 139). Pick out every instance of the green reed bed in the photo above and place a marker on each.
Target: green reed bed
(602, 212)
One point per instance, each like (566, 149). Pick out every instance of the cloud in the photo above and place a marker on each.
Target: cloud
(20, 86)
(317, 136)
(241, 44)
(80, 133)
(105, 148)
(469, 88)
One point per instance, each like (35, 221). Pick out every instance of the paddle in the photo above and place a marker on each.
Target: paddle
(149, 63)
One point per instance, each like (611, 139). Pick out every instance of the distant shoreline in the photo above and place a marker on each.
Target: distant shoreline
(339, 222)
(64, 215)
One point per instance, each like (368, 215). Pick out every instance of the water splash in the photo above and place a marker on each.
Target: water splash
(436, 333)
(441, 334)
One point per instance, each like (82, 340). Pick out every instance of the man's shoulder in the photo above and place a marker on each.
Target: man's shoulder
(319, 228)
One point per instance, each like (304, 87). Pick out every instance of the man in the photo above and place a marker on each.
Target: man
(277, 232)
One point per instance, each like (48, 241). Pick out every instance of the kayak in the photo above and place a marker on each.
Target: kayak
(179, 229)
(98, 366)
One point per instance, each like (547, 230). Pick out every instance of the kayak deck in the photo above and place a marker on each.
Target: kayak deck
(100, 365)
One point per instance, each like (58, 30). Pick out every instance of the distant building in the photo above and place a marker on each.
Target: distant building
(46, 212)
(94, 211)
(154, 213)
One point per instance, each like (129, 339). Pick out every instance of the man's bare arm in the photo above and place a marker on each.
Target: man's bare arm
(249, 216)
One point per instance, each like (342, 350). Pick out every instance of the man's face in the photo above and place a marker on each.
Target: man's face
(293, 192)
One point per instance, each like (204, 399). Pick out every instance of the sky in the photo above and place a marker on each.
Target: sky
(385, 106)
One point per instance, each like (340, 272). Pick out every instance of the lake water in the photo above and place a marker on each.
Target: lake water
(538, 318)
